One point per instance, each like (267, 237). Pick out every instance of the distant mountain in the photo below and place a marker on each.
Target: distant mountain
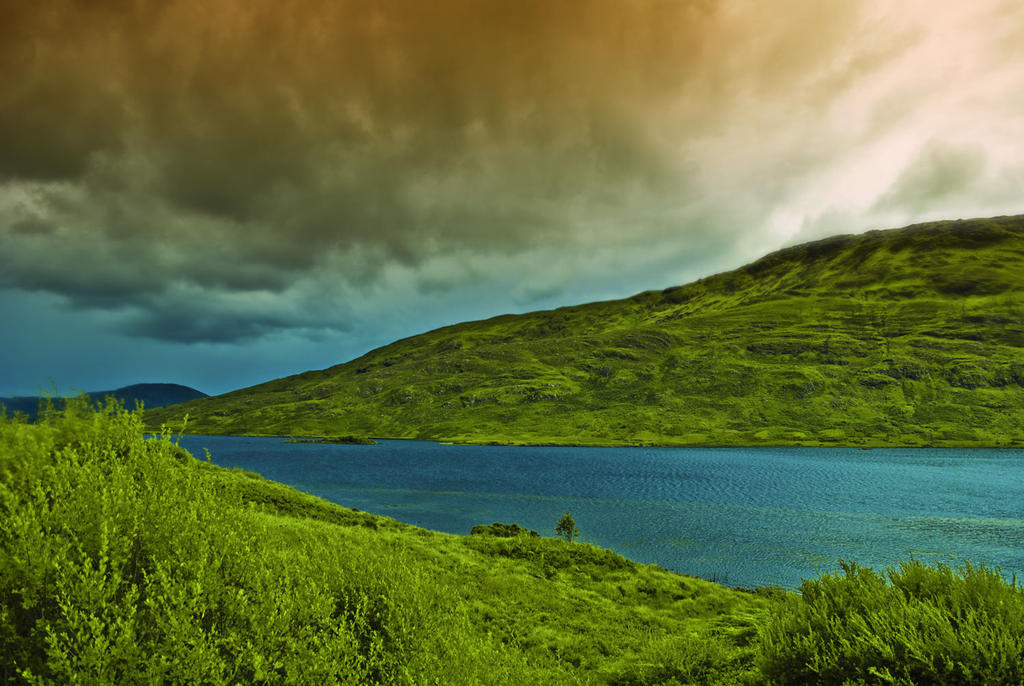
(149, 394)
(912, 336)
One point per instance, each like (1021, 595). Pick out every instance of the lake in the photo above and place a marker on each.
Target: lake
(741, 516)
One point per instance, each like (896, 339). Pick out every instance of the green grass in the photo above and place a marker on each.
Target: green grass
(908, 337)
(914, 625)
(126, 560)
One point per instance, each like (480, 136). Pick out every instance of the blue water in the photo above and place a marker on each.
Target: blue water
(741, 516)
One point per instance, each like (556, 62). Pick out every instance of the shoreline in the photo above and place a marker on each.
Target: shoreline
(867, 444)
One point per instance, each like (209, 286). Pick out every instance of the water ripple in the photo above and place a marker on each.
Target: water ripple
(743, 516)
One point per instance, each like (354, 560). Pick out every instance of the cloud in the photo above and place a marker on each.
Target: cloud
(939, 173)
(266, 157)
(187, 323)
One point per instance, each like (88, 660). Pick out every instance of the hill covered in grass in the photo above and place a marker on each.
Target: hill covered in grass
(149, 394)
(910, 337)
(124, 560)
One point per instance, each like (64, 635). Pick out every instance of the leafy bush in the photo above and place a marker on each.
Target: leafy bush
(551, 553)
(502, 530)
(124, 560)
(916, 624)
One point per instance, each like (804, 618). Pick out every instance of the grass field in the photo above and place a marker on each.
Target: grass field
(905, 337)
(126, 560)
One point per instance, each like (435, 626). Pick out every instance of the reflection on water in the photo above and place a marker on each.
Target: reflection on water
(746, 516)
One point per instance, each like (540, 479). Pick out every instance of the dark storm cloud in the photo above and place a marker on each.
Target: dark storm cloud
(196, 324)
(312, 151)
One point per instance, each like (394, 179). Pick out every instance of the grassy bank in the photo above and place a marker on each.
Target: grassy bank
(126, 560)
(910, 337)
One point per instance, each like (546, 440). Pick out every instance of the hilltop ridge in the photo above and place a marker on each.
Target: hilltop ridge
(149, 394)
(910, 336)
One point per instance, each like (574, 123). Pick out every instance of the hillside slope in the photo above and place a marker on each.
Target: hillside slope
(912, 336)
(125, 560)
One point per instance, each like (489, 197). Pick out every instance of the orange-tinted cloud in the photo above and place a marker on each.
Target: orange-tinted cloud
(153, 151)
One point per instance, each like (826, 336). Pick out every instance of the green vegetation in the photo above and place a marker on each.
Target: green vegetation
(502, 530)
(906, 337)
(926, 626)
(566, 527)
(126, 560)
(148, 394)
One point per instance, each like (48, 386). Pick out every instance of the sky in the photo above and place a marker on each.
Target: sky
(221, 192)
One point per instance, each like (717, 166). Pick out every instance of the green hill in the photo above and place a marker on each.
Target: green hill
(124, 560)
(149, 394)
(903, 337)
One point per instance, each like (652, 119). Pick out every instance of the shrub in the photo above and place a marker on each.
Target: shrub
(567, 527)
(502, 530)
(125, 560)
(916, 624)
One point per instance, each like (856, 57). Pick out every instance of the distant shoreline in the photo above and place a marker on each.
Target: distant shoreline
(345, 440)
(867, 445)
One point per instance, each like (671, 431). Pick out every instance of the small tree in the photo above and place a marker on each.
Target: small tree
(567, 527)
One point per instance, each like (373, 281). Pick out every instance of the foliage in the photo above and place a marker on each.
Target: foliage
(147, 394)
(566, 527)
(125, 560)
(917, 624)
(502, 530)
(907, 337)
